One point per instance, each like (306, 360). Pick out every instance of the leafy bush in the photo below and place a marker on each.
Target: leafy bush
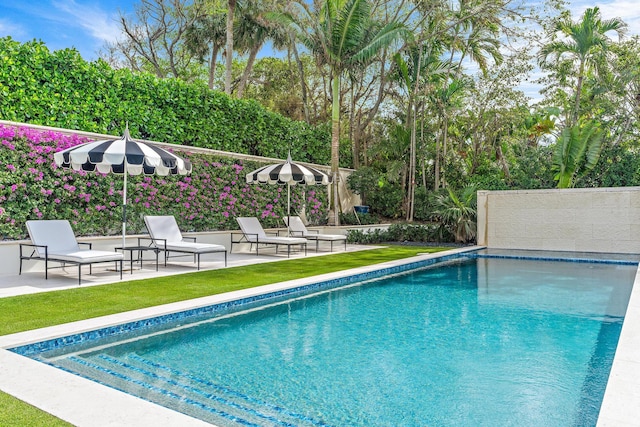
(350, 218)
(33, 187)
(63, 90)
(384, 198)
(457, 213)
(402, 232)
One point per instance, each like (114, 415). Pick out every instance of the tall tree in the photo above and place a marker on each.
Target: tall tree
(343, 35)
(253, 29)
(204, 38)
(155, 38)
(582, 42)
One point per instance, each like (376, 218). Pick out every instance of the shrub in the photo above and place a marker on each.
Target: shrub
(350, 218)
(402, 232)
(457, 211)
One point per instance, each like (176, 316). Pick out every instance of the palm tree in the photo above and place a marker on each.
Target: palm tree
(446, 99)
(583, 41)
(342, 35)
(204, 38)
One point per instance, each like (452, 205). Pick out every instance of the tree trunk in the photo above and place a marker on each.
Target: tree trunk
(303, 83)
(335, 144)
(212, 65)
(436, 170)
(229, 47)
(576, 113)
(445, 137)
(247, 70)
(503, 162)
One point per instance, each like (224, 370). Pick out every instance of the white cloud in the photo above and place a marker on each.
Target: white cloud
(627, 10)
(10, 27)
(99, 24)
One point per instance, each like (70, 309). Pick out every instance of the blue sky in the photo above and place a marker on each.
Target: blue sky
(88, 24)
(83, 24)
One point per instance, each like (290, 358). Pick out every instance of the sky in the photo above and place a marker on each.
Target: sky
(88, 24)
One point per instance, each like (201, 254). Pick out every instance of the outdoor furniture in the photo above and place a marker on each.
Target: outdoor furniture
(165, 235)
(53, 240)
(253, 233)
(139, 258)
(297, 228)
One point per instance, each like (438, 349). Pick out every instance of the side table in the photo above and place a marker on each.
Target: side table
(139, 258)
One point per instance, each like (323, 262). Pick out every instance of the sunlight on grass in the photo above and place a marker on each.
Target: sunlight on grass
(15, 412)
(53, 308)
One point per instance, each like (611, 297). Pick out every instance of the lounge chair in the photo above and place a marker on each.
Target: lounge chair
(297, 228)
(53, 240)
(165, 235)
(253, 233)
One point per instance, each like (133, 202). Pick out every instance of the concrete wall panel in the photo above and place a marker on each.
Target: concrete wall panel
(585, 219)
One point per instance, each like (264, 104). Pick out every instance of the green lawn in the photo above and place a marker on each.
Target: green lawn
(26, 312)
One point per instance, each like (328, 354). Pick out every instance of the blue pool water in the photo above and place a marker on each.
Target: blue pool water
(495, 342)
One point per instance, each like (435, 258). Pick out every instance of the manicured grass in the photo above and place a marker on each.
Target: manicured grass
(28, 312)
(15, 412)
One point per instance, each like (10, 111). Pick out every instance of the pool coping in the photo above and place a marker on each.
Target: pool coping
(87, 403)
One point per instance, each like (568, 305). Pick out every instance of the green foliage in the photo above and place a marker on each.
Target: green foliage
(458, 213)
(15, 412)
(425, 205)
(383, 197)
(619, 166)
(532, 170)
(61, 89)
(350, 218)
(576, 152)
(32, 187)
(401, 233)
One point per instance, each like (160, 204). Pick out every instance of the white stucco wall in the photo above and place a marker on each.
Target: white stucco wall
(585, 219)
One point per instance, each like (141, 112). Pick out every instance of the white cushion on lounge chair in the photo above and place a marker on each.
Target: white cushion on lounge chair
(87, 257)
(61, 243)
(193, 247)
(296, 225)
(254, 233)
(165, 227)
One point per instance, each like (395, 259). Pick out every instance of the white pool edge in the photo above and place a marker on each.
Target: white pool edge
(621, 404)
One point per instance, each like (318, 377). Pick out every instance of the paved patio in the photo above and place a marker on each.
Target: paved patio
(67, 278)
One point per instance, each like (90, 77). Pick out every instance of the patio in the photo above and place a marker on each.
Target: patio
(31, 282)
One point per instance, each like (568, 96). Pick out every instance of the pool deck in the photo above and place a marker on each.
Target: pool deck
(85, 403)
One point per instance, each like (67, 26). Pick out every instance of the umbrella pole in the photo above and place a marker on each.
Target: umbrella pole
(124, 205)
(288, 209)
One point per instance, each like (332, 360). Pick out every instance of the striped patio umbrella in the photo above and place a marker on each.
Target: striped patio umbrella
(122, 156)
(288, 173)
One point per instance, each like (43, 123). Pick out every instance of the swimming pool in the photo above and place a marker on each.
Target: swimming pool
(424, 348)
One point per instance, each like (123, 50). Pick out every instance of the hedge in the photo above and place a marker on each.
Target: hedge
(60, 89)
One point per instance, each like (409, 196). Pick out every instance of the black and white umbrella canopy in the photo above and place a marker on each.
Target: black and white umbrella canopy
(109, 157)
(122, 156)
(289, 174)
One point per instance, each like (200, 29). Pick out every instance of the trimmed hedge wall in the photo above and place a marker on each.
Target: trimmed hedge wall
(63, 90)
